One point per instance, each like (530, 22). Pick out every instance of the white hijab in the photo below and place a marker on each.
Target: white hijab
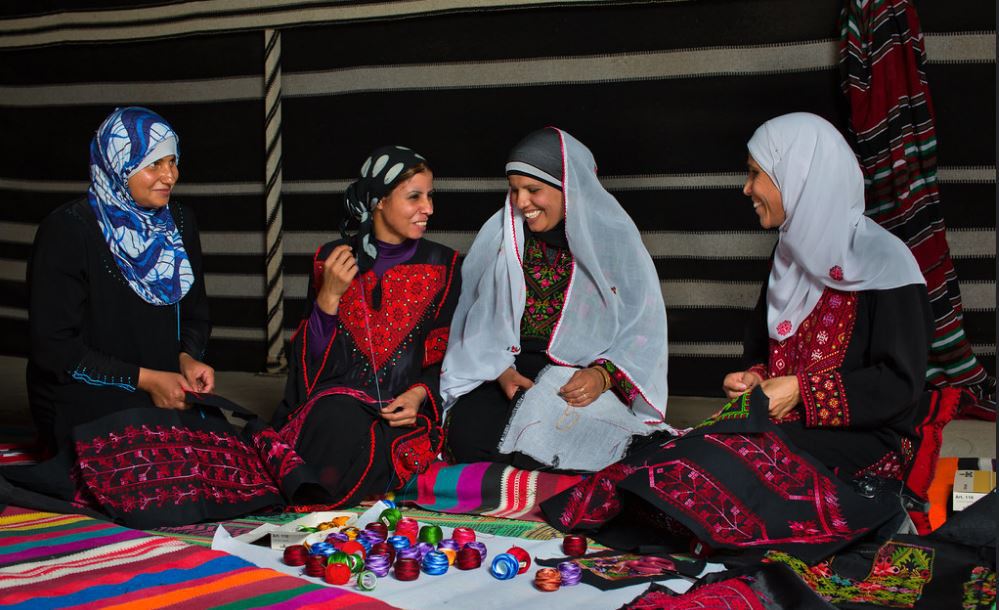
(613, 307)
(825, 239)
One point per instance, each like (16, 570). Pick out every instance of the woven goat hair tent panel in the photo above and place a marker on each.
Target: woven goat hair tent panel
(664, 93)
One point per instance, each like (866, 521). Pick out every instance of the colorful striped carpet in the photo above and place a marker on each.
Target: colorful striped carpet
(68, 561)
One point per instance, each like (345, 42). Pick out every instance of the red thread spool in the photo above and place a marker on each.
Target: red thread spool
(353, 547)
(408, 527)
(378, 526)
(295, 555)
(574, 546)
(315, 565)
(383, 548)
(547, 579)
(463, 535)
(337, 574)
(468, 559)
(522, 558)
(407, 569)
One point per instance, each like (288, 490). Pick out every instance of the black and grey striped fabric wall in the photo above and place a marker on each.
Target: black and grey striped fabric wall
(664, 93)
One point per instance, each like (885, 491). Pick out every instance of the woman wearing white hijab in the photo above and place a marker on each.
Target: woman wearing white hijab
(811, 453)
(557, 352)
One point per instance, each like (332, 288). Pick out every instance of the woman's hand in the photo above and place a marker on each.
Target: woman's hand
(339, 270)
(738, 383)
(165, 388)
(585, 386)
(403, 410)
(784, 394)
(511, 381)
(198, 375)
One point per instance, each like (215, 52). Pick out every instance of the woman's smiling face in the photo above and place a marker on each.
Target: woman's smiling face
(765, 195)
(542, 205)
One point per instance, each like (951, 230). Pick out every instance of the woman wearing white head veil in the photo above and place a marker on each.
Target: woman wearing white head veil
(812, 452)
(557, 353)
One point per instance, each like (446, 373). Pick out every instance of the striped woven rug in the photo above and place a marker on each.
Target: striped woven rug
(59, 561)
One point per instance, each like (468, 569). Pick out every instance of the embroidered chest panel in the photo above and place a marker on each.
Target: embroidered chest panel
(546, 273)
(822, 338)
(408, 293)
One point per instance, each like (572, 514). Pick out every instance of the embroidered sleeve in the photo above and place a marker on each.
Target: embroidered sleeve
(621, 384)
(435, 346)
(759, 369)
(100, 370)
(823, 399)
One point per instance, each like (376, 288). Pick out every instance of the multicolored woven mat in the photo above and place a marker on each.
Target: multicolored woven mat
(59, 561)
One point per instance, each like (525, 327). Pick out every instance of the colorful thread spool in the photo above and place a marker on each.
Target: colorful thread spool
(451, 555)
(383, 548)
(570, 572)
(407, 569)
(478, 546)
(370, 537)
(390, 517)
(547, 579)
(435, 563)
(315, 566)
(574, 546)
(431, 534)
(353, 547)
(410, 552)
(523, 559)
(504, 567)
(468, 559)
(295, 555)
(379, 528)
(337, 574)
(463, 535)
(366, 581)
(336, 538)
(408, 527)
(379, 564)
(350, 532)
(448, 543)
(321, 548)
(399, 542)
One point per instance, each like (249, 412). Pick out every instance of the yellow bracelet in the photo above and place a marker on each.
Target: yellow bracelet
(606, 377)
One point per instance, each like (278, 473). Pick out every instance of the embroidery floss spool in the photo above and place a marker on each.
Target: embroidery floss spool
(431, 534)
(390, 517)
(574, 546)
(463, 535)
(409, 528)
(407, 569)
(523, 559)
(468, 559)
(379, 528)
(315, 566)
(379, 564)
(399, 542)
(435, 563)
(478, 546)
(547, 579)
(383, 548)
(366, 581)
(295, 555)
(504, 567)
(352, 547)
(570, 572)
(337, 574)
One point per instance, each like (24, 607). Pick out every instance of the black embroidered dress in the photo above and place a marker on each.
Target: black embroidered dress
(743, 481)
(390, 335)
(115, 452)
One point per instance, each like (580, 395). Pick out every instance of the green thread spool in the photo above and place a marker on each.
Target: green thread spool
(390, 517)
(431, 534)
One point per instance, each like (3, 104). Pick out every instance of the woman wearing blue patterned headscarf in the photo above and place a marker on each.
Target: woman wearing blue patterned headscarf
(119, 324)
(118, 312)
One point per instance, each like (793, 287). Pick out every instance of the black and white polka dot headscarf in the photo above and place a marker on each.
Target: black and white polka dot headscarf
(379, 175)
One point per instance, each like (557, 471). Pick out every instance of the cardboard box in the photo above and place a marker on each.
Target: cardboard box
(971, 485)
(289, 533)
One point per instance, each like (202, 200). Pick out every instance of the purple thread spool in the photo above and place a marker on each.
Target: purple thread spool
(478, 546)
(570, 572)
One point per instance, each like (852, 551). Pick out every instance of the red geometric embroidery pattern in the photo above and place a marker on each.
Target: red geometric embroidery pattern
(890, 466)
(159, 466)
(435, 346)
(704, 498)
(784, 328)
(413, 456)
(595, 500)
(407, 293)
(824, 399)
(730, 594)
(836, 273)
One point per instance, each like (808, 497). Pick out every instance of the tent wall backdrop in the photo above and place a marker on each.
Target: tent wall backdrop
(278, 104)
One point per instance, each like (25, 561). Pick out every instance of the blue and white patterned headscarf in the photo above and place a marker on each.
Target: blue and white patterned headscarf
(145, 243)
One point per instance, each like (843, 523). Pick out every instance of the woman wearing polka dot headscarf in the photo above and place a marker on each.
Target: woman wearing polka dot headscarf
(362, 402)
